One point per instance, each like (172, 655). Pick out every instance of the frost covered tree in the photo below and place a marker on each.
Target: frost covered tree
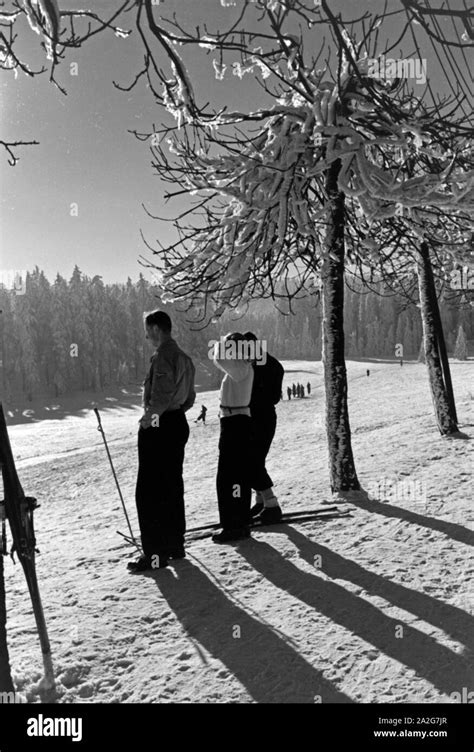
(416, 281)
(436, 357)
(278, 190)
(448, 29)
(424, 234)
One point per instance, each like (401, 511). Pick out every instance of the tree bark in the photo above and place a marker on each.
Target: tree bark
(6, 683)
(435, 348)
(342, 471)
(443, 353)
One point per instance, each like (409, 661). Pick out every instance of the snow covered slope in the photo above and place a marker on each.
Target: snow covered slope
(376, 607)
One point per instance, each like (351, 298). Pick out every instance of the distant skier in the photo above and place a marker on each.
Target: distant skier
(298, 390)
(162, 436)
(288, 391)
(266, 393)
(368, 372)
(202, 415)
(302, 390)
(308, 387)
(294, 390)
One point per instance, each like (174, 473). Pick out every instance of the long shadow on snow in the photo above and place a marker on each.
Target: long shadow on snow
(268, 666)
(387, 509)
(437, 664)
(452, 620)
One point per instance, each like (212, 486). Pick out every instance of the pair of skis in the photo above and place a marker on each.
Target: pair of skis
(322, 512)
(18, 509)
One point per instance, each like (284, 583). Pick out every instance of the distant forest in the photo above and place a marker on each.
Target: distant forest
(83, 334)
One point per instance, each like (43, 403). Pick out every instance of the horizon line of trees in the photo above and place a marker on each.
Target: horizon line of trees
(81, 334)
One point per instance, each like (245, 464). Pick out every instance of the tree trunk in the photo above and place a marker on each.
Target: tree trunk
(6, 684)
(342, 471)
(443, 353)
(435, 348)
(2, 355)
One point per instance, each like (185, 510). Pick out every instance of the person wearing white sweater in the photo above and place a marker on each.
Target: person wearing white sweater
(233, 470)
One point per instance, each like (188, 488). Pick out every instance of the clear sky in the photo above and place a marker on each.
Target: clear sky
(87, 157)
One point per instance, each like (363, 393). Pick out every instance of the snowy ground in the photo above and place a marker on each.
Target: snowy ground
(375, 607)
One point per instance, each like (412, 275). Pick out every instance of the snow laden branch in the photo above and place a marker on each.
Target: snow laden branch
(269, 204)
(57, 31)
(55, 27)
(257, 177)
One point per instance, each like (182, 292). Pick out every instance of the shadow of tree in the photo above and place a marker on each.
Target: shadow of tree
(452, 620)
(387, 509)
(439, 665)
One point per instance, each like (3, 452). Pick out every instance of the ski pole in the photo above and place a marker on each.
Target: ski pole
(132, 537)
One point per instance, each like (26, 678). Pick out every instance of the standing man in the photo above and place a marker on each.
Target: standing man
(308, 387)
(162, 436)
(266, 391)
(233, 470)
(288, 391)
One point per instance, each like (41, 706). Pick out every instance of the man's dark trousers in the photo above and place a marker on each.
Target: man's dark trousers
(233, 476)
(160, 489)
(263, 430)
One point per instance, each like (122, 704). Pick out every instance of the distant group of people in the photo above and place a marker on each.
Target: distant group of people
(297, 390)
(249, 392)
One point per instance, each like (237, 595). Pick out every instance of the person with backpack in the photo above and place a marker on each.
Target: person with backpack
(266, 391)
